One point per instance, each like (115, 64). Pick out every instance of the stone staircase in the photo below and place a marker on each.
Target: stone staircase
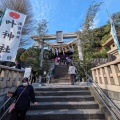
(64, 103)
(61, 74)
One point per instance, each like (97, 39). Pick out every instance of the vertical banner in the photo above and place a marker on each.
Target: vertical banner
(10, 34)
(114, 35)
(113, 32)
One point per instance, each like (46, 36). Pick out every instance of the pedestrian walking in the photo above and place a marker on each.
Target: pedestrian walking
(23, 94)
(72, 73)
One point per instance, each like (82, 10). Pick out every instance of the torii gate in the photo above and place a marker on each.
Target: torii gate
(59, 36)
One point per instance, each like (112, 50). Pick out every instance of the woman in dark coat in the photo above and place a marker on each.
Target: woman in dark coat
(23, 102)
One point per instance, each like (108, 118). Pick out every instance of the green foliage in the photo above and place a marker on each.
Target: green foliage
(31, 56)
(87, 35)
(118, 30)
(105, 38)
(45, 66)
(80, 70)
(101, 54)
(19, 53)
(92, 39)
(48, 54)
(75, 55)
(116, 18)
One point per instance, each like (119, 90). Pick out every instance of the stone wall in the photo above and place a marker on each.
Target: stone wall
(107, 76)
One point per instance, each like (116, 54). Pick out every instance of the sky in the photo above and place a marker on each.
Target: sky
(68, 15)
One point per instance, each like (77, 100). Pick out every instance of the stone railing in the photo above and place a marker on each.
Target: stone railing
(10, 78)
(107, 76)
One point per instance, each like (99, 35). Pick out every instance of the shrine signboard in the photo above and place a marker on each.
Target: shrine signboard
(59, 36)
(10, 34)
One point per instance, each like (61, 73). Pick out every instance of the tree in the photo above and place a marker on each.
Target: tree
(86, 35)
(86, 39)
(41, 30)
(102, 34)
(116, 18)
(19, 53)
(30, 56)
(22, 6)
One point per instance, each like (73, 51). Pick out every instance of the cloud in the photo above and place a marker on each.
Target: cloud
(43, 9)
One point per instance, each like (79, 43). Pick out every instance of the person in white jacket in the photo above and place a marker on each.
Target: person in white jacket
(72, 73)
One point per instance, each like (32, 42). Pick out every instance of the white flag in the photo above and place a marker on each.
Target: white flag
(56, 50)
(70, 49)
(10, 34)
(63, 51)
(113, 32)
(114, 35)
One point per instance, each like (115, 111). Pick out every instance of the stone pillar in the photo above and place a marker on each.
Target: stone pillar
(41, 46)
(80, 52)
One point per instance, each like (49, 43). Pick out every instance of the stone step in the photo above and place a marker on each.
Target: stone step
(62, 77)
(64, 114)
(65, 79)
(64, 98)
(61, 88)
(60, 80)
(62, 93)
(28, 118)
(61, 70)
(65, 105)
(61, 65)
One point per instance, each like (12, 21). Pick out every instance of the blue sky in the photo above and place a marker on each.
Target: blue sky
(68, 15)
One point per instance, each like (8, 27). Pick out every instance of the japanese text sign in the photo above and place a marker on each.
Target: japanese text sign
(10, 34)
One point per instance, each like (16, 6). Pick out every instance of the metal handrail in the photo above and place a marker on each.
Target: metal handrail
(112, 104)
(5, 103)
(3, 106)
(5, 113)
(112, 113)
